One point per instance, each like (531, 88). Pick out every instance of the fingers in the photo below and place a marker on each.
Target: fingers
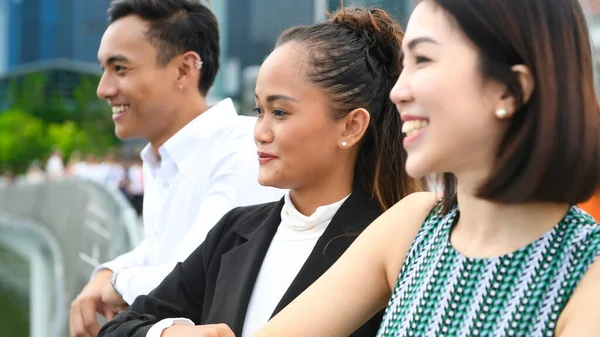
(90, 322)
(222, 330)
(114, 309)
(72, 329)
(109, 314)
(81, 323)
(82, 317)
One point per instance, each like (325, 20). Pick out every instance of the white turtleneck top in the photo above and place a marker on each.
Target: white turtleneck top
(293, 242)
(295, 239)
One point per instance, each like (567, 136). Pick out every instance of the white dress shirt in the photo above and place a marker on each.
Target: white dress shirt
(136, 181)
(207, 168)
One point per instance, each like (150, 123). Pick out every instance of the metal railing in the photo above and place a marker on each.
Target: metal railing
(63, 230)
(38, 246)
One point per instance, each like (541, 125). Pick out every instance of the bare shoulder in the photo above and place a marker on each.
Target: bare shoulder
(408, 214)
(581, 316)
(397, 228)
(416, 204)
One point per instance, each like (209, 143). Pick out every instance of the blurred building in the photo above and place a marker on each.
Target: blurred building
(53, 29)
(39, 32)
(251, 28)
(34, 32)
(4, 35)
(58, 38)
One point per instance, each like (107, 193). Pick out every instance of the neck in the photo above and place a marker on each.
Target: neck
(187, 110)
(488, 228)
(333, 188)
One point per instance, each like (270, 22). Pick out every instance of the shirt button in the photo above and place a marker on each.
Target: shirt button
(166, 185)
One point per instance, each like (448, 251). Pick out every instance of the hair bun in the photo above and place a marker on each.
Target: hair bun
(382, 34)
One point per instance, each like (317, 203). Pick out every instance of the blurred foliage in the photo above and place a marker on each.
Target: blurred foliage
(22, 139)
(43, 116)
(68, 137)
(14, 302)
(14, 319)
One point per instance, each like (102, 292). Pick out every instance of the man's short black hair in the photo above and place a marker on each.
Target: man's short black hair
(176, 27)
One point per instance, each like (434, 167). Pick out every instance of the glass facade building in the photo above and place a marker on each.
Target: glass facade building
(40, 30)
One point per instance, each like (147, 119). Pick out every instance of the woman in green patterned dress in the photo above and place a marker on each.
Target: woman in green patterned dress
(498, 97)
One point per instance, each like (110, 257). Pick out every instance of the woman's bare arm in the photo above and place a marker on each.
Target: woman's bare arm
(359, 284)
(581, 316)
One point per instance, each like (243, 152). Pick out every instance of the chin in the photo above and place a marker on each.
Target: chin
(265, 180)
(270, 180)
(416, 169)
(123, 133)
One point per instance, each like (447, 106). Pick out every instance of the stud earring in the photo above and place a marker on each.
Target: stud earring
(344, 144)
(198, 64)
(501, 113)
(180, 87)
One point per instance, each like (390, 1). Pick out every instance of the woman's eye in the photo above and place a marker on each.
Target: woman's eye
(421, 59)
(279, 113)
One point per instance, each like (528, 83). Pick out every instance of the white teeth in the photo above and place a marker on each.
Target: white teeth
(410, 127)
(119, 108)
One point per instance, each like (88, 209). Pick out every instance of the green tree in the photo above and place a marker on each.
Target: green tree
(28, 93)
(34, 94)
(92, 114)
(22, 139)
(65, 112)
(69, 137)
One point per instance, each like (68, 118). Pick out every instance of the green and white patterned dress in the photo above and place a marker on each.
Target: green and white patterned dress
(442, 293)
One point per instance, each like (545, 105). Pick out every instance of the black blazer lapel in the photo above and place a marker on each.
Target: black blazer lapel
(239, 270)
(352, 218)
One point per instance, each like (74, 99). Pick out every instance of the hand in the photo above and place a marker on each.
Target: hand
(212, 330)
(82, 318)
(112, 299)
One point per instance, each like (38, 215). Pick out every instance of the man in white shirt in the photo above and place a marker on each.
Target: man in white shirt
(160, 58)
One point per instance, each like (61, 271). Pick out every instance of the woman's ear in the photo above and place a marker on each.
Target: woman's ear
(356, 124)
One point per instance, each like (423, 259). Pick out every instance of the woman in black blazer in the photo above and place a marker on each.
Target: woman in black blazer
(327, 131)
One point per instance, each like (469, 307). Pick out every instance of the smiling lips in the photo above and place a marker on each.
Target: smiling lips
(119, 110)
(413, 126)
(264, 158)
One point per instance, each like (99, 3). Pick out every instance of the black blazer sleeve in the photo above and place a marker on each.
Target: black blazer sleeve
(180, 294)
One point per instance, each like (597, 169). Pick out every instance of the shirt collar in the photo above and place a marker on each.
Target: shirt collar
(292, 220)
(196, 134)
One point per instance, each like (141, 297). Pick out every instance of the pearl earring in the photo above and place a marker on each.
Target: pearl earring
(344, 144)
(501, 113)
(181, 87)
